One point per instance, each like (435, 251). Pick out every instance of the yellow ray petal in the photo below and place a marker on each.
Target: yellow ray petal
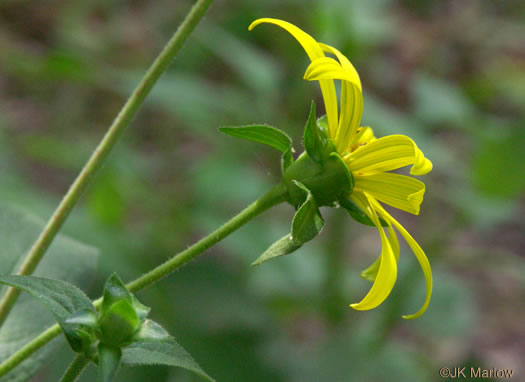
(399, 191)
(387, 273)
(351, 97)
(351, 102)
(388, 153)
(370, 273)
(336, 72)
(345, 63)
(350, 115)
(363, 136)
(313, 50)
(418, 252)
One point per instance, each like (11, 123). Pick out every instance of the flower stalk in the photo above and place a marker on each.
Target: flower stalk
(75, 368)
(274, 196)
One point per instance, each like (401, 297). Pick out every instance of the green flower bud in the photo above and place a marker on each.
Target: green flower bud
(121, 315)
(118, 323)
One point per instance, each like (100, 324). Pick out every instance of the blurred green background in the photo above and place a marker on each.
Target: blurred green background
(450, 74)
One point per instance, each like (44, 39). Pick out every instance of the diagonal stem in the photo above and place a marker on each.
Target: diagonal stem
(101, 153)
(273, 197)
(75, 368)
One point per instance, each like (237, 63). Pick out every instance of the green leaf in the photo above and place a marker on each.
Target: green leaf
(59, 297)
(152, 345)
(265, 134)
(260, 133)
(156, 347)
(358, 214)
(66, 259)
(281, 247)
(307, 222)
(108, 362)
(316, 141)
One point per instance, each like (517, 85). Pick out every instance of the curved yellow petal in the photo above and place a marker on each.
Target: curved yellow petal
(418, 252)
(345, 63)
(313, 50)
(351, 98)
(311, 47)
(336, 73)
(370, 273)
(351, 102)
(387, 272)
(388, 153)
(399, 191)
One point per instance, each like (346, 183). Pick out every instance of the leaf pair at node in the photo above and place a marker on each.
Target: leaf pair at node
(118, 334)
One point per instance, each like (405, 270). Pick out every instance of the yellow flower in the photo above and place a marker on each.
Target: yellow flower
(369, 160)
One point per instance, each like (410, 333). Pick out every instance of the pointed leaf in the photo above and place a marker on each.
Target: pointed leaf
(108, 362)
(316, 141)
(264, 134)
(307, 222)
(154, 346)
(260, 133)
(281, 247)
(357, 213)
(59, 297)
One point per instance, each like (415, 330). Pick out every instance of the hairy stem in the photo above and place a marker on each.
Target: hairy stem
(273, 197)
(103, 150)
(75, 368)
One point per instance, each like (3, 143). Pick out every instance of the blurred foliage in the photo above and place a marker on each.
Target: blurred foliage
(450, 74)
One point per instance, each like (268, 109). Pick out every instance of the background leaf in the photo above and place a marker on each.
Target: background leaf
(59, 297)
(66, 259)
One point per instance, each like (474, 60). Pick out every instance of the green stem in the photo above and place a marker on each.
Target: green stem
(273, 197)
(103, 150)
(75, 368)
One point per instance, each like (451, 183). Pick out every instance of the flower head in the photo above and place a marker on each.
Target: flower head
(369, 160)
